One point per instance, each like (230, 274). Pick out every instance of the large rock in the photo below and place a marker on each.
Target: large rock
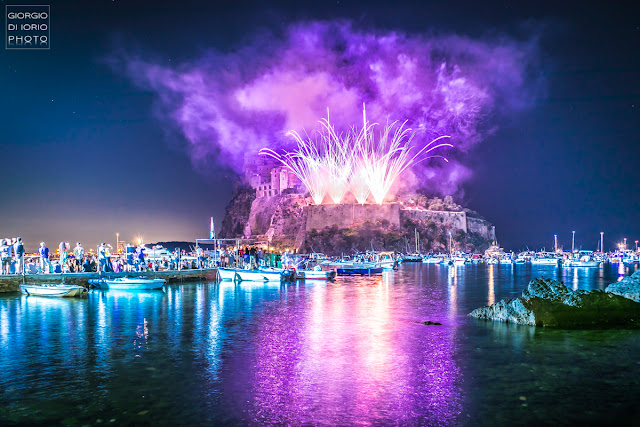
(628, 287)
(547, 302)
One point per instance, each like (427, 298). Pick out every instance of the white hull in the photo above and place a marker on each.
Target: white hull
(581, 264)
(315, 275)
(544, 261)
(432, 260)
(226, 274)
(241, 275)
(53, 290)
(258, 276)
(133, 284)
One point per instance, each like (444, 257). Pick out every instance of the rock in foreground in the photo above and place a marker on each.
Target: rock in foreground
(547, 302)
(628, 287)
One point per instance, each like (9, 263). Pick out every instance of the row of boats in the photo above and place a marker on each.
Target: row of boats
(575, 259)
(320, 267)
(120, 283)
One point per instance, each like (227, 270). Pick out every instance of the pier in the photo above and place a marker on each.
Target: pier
(11, 283)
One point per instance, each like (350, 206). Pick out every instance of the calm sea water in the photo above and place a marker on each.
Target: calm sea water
(351, 352)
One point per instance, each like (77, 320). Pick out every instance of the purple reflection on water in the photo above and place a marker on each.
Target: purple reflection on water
(351, 356)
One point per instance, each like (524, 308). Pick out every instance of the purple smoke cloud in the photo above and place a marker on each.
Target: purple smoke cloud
(229, 104)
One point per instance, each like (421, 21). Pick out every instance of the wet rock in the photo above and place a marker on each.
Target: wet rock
(507, 310)
(547, 302)
(628, 287)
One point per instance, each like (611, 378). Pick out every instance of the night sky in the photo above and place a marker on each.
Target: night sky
(87, 154)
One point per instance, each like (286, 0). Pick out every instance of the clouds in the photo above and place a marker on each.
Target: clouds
(228, 104)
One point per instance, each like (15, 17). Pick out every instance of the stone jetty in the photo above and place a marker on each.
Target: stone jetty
(11, 283)
(547, 302)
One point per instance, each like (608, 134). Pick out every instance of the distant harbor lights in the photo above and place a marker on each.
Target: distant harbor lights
(358, 160)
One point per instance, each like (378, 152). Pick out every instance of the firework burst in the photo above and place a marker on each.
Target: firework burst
(358, 161)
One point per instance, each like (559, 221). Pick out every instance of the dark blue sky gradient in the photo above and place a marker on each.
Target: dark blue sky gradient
(84, 156)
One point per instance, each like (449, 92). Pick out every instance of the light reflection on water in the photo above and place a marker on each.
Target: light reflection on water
(354, 351)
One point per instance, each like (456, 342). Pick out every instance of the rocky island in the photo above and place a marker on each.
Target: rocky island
(289, 220)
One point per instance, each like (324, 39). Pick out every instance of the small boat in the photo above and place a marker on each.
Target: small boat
(315, 274)
(242, 275)
(412, 258)
(581, 259)
(53, 290)
(358, 271)
(544, 260)
(227, 273)
(432, 260)
(132, 283)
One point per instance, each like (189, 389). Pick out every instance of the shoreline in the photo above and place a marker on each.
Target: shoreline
(12, 282)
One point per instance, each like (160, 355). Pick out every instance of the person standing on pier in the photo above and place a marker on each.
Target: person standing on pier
(107, 257)
(5, 255)
(140, 258)
(200, 255)
(44, 257)
(102, 258)
(18, 253)
(78, 252)
(129, 260)
(63, 254)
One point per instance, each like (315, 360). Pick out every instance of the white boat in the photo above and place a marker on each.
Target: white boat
(242, 275)
(412, 258)
(574, 263)
(227, 273)
(458, 260)
(492, 261)
(132, 283)
(315, 274)
(432, 260)
(581, 259)
(544, 260)
(53, 290)
(158, 252)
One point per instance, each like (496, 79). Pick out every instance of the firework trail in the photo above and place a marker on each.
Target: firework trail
(356, 161)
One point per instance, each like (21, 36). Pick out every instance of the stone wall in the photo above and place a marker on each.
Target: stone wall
(262, 210)
(480, 226)
(320, 216)
(453, 220)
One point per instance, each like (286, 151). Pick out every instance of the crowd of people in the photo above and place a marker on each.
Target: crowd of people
(134, 258)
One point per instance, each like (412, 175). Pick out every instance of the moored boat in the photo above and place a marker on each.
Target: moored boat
(358, 271)
(412, 258)
(132, 283)
(544, 259)
(53, 290)
(242, 275)
(315, 274)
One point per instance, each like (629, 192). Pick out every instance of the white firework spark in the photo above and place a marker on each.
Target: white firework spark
(355, 161)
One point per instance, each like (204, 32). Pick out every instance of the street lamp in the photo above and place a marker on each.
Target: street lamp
(117, 242)
(573, 241)
(625, 243)
(555, 243)
(636, 246)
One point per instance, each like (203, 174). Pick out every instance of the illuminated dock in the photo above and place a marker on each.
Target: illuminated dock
(11, 283)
